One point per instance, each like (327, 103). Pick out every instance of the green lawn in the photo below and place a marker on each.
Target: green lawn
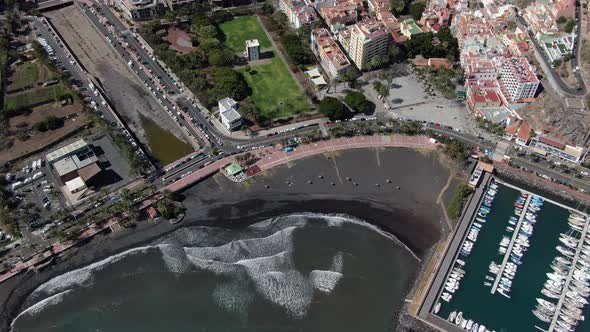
(24, 75)
(274, 92)
(28, 74)
(33, 97)
(242, 28)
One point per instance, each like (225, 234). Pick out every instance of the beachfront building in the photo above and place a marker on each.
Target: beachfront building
(518, 79)
(519, 131)
(368, 39)
(558, 149)
(228, 113)
(332, 58)
(252, 50)
(138, 10)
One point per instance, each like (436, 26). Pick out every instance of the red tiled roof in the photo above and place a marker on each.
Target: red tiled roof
(512, 129)
(553, 142)
(152, 212)
(524, 132)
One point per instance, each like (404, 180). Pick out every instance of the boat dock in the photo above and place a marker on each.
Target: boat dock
(569, 278)
(509, 249)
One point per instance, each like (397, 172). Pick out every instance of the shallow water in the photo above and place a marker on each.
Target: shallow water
(301, 272)
(164, 145)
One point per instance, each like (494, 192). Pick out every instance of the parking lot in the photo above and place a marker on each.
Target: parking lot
(123, 88)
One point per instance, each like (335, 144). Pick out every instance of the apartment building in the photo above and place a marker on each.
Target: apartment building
(518, 79)
(298, 12)
(332, 58)
(367, 40)
(138, 10)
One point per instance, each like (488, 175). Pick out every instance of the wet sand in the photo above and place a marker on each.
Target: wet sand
(353, 183)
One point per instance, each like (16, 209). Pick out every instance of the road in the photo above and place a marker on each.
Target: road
(579, 90)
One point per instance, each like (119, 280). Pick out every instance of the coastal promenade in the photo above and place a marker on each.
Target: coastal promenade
(270, 157)
(450, 256)
(512, 241)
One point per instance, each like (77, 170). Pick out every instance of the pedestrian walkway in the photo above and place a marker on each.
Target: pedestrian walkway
(270, 157)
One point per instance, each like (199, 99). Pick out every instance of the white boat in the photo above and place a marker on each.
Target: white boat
(475, 327)
(452, 316)
(469, 325)
(542, 316)
(459, 318)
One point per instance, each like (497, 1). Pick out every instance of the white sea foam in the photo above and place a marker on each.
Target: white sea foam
(233, 297)
(41, 305)
(325, 281)
(337, 220)
(337, 262)
(82, 276)
(290, 290)
(175, 258)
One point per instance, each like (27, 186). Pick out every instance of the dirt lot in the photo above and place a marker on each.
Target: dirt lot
(40, 140)
(124, 89)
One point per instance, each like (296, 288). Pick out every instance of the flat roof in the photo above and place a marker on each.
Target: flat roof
(75, 183)
(233, 169)
(68, 149)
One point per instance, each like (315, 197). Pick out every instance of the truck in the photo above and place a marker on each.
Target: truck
(37, 175)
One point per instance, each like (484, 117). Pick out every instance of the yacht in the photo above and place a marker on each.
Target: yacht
(475, 327)
(437, 308)
(542, 316)
(452, 315)
(459, 318)
(469, 325)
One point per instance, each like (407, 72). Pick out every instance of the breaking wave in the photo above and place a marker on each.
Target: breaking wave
(259, 261)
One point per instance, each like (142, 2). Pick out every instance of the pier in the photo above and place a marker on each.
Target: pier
(569, 278)
(509, 249)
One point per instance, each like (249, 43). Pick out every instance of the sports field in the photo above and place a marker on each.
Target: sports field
(240, 29)
(274, 92)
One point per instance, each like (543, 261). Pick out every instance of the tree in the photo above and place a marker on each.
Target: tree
(416, 10)
(395, 53)
(333, 108)
(561, 20)
(381, 88)
(357, 101)
(228, 83)
(205, 31)
(378, 61)
(221, 58)
(268, 8)
(569, 26)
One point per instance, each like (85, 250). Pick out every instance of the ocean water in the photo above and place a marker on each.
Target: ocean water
(299, 272)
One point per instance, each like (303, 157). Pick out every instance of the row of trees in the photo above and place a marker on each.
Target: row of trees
(430, 45)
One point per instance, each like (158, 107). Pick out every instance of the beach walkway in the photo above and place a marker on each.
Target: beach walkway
(270, 157)
(509, 249)
(569, 278)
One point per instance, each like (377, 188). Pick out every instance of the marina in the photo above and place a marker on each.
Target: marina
(522, 264)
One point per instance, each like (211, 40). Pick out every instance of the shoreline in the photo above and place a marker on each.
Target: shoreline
(216, 202)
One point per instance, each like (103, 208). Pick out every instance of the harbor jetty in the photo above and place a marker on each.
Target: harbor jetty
(509, 250)
(575, 260)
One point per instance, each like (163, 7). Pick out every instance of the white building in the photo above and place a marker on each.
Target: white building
(252, 49)
(518, 79)
(137, 10)
(228, 112)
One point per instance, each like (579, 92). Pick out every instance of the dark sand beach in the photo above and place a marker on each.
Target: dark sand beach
(394, 189)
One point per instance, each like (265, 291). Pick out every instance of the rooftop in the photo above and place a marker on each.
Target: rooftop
(64, 151)
(252, 43)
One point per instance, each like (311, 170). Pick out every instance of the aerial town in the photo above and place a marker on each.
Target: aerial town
(116, 115)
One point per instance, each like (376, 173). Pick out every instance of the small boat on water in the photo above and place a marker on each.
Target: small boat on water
(437, 308)
(459, 318)
(452, 316)
(469, 325)
(487, 284)
(475, 327)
